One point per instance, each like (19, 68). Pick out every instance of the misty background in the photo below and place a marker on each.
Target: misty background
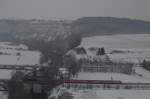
(73, 9)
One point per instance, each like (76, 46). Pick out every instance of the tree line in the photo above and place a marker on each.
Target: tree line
(146, 64)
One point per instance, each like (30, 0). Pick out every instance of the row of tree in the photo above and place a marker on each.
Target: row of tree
(101, 51)
(53, 50)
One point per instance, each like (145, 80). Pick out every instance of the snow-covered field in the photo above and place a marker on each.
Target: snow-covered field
(133, 56)
(141, 71)
(103, 94)
(127, 41)
(13, 54)
(125, 48)
(24, 57)
(112, 94)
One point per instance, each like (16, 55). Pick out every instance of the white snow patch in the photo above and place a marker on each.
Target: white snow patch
(132, 41)
(136, 47)
(110, 94)
(143, 72)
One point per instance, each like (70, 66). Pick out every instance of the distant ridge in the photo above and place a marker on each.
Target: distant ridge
(87, 26)
(91, 26)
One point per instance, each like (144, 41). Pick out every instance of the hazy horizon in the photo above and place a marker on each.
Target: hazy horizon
(73, 9)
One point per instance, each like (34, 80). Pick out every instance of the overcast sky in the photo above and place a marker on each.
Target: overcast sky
(72, 9)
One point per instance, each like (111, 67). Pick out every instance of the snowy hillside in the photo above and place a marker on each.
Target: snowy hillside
(136, 41)
(127, 48)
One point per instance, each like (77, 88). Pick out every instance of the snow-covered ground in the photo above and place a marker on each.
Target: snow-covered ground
(131, 48)
(112, 94)
(127, 41)
(142, 72)
(133, 56)
(12, 54)
(25, 57)
(103, 94)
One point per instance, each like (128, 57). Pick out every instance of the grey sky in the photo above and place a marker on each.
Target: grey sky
(72, 9)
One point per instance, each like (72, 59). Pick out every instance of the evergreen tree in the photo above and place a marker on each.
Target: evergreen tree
(146, 64)
(101, 51)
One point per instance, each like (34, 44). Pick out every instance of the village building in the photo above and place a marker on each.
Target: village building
(91, 61)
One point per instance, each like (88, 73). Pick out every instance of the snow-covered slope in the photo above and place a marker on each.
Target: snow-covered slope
(136, 41)
(125, 48)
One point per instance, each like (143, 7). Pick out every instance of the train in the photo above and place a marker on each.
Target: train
(104, 84)
(93, 81)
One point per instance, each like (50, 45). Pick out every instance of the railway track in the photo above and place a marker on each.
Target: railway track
(104, 84)
(88, 84)
(85, 84)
